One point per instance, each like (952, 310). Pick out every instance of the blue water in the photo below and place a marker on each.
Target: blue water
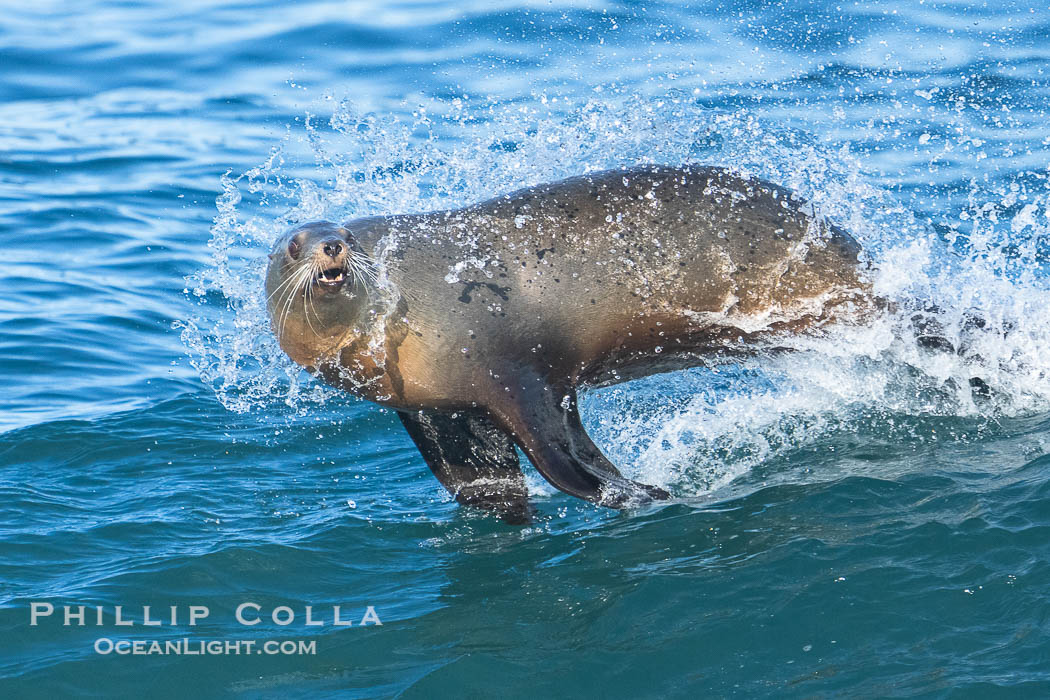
(847, 520)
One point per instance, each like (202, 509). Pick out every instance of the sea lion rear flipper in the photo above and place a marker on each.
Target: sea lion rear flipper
(547, 427)
(473, 459)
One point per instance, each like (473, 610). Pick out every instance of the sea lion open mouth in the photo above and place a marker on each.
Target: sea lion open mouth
(331, 278)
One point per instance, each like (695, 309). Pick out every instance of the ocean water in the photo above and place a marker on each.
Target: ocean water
(848, 520)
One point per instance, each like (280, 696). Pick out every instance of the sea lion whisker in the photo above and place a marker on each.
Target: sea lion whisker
(365, 265)
(282, 285)
(370, 269)
(310, 301)
(353, 266)
(295, 278)
(302, 289)
(355, 271)
(302, 277)
(285, 302)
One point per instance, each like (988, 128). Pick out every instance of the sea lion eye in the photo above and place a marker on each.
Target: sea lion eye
(293, 249)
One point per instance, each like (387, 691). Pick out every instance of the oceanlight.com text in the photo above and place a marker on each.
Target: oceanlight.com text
(203, 647)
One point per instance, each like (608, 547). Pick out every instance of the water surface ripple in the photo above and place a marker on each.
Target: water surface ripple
(847, 520)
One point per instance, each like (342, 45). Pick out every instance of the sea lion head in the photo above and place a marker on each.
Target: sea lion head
(318, 286)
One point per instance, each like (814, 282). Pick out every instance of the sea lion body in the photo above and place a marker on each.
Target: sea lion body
(487, 318)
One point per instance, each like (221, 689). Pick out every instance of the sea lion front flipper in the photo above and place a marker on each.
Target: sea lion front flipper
(473, 459)
(546, 425)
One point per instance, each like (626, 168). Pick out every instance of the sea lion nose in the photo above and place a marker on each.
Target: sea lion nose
(332, 248)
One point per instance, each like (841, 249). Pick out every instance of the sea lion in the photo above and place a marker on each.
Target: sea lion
(479, 324)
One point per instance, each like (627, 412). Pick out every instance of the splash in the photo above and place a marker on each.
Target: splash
(693, 431)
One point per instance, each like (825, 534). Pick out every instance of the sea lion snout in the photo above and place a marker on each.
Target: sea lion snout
(331, 262)
(332, 247)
